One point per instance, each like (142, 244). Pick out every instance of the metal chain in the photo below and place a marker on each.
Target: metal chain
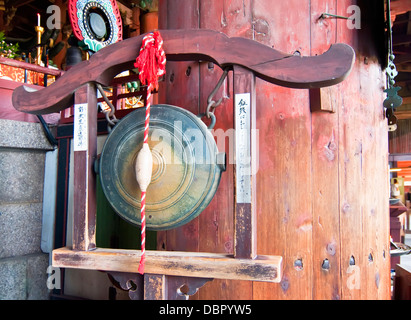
(211, 104)
(110, 116)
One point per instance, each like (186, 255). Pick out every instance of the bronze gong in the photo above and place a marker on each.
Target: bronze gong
(186, 167)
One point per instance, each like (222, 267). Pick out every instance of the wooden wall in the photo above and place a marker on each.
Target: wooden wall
(323, 177)
(400, 139)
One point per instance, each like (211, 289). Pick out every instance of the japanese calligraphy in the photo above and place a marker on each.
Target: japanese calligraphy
(80, 136)
(242, 148)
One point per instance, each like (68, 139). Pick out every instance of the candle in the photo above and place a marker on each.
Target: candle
(38, 19)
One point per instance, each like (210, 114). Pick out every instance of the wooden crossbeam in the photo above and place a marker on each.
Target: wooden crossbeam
(173, 263)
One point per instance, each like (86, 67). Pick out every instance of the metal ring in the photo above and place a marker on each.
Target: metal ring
(213, 120)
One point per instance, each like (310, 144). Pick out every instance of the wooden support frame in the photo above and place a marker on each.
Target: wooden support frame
(239, 53)
(172, 263)
(166, 271)
(84, 219)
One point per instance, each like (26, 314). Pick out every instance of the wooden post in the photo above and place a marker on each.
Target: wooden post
(155, 287)
(246, 164)
(85, 149)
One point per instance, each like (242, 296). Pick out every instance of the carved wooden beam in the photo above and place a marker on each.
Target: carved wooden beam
(268, 64)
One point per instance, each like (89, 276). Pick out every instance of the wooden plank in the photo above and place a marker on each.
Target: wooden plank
(84, 200)
(180, 88)
(245, 217)
(284, 176)
(363, 174)
(326, 266)
(400, 140)
(351, 194)
(174, 263)
(216, 223)
(272, 65)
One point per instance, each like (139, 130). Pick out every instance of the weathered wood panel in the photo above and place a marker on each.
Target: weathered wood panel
(180, 88)
(217, 222)
(325, 165)
(174, 263)
(400, 140)
(363, 173)
(284, 176)
(84, 219)
(322, 179)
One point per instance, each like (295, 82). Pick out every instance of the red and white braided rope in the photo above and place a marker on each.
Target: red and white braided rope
(143, 193)
(151, 64)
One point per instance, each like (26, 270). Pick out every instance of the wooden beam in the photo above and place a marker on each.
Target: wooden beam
(174, 263)
(85, 152)
(269, 64)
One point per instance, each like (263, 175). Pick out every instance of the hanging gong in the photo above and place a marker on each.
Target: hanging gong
(186, 167)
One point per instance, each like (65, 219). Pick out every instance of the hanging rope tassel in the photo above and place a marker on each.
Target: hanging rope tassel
(151, 64)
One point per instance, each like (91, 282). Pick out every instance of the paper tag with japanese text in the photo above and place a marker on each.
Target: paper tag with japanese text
(242, 148)
(80, 137)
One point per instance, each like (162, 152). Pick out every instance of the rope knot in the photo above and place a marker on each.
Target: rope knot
(151, 61)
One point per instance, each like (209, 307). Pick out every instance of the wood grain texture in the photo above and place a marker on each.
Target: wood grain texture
(316, 197)
(400, 139)
(271, 65)
(180, 88)
(245, 216)
(322, 179)
(402, 283)
(325, 169)
(174, 263)
(84, 202)
(284, 197)
(155, 287)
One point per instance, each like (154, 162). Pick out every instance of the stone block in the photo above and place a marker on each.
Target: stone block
(23, 135)
(24, 278)
(13, 279)
(37, 277)
(21, 175)
(20, 229)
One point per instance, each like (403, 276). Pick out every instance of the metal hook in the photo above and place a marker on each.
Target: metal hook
(211, 104)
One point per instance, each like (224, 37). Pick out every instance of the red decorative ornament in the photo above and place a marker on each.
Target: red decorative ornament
(79, 12)
(151, 61)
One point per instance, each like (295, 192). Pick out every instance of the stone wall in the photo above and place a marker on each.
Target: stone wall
(23, 265)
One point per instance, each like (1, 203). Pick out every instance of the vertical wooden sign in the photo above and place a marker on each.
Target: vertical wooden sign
(245, 226)
(85, 151)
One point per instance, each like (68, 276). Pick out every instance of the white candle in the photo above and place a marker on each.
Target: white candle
(38, 19)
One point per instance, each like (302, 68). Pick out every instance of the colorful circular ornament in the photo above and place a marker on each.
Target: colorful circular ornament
(96, 23)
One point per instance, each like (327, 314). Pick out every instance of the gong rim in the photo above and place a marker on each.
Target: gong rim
(182, 184)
